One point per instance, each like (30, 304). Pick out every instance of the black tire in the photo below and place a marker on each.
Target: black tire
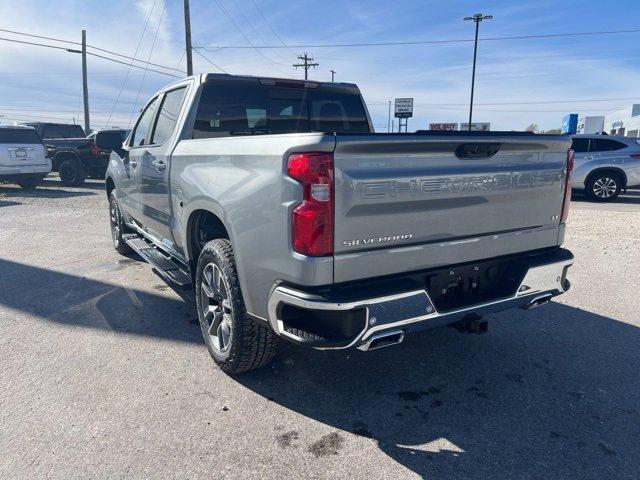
(603, 186)
(29, 183)
(238, 344)
(118, 228)
(72, 172)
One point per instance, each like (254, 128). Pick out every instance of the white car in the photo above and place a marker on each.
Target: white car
(23, 158)
(605, 165)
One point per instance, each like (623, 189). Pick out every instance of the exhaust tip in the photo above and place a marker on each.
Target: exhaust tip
(382, 339)
(538, 301)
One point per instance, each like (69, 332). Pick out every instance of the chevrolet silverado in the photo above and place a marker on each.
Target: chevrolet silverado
(275, 203)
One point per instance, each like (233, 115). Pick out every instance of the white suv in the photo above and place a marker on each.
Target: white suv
(605, 165)
(23, 157)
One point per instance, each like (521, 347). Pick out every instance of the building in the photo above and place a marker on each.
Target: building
(625, 121)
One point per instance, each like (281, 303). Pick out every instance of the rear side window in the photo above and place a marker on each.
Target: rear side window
(168, 116)
(141, 132)
(580, 145)
(62, 131)
(606, 145)
(110, 137)
(236, 108)
(17, 136)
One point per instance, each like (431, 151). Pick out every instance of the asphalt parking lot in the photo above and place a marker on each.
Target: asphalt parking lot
(104, 373)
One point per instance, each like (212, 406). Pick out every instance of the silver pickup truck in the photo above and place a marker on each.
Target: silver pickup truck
(277, 205)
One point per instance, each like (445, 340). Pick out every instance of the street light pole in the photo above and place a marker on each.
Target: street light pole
(477, 18)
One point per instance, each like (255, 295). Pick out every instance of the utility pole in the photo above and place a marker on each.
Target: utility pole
(187, 37)
(306, 65)
(389, 119)
(333, 72)
(477, 18)
(85, 90)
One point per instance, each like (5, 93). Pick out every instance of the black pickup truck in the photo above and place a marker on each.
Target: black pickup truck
(74, 155)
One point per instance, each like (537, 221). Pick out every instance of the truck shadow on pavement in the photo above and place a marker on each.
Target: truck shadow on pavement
(547, 393)
(73, 299)
(17, 192)
(89, 184)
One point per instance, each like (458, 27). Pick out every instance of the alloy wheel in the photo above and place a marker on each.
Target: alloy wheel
(604, 187)
(114, 215)
(216, 307)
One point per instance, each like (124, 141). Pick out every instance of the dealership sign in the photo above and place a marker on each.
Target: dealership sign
(443, 126)
(476, 126)
(404, 108)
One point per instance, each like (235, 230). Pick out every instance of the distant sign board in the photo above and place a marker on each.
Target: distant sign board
(569, 124)
(443, 126)
(404, 108)
(476, 126)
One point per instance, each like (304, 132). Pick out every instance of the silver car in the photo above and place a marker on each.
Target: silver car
(605, 165)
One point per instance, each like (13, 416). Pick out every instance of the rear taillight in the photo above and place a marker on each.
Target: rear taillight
(635, 156)
(312, 220)
(567, 187)
(95, 151)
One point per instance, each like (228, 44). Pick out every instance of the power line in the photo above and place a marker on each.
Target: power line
(126, 77)
(39, 36)
(429, 42)
(540, 102)
(271, 28)
(235, 24)
(153, 44)
(36, 44)
(135, 59)
(33, 35)
(209, 60)
(71, 50)
(134, 66)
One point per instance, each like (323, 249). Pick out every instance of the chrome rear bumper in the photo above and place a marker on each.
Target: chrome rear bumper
(411, 310)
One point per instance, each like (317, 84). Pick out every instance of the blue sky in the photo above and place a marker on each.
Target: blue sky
(46, 84)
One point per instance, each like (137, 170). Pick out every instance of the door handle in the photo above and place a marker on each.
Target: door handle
(160, 165)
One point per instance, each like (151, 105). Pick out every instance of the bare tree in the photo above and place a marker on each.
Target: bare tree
(532, 127)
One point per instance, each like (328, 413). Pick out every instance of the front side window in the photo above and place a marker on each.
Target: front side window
(141, 132)
(168, 116)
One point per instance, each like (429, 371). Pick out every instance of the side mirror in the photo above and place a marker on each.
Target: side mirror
(108, 140)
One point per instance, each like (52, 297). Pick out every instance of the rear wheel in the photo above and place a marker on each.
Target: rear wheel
(72, 172)
(603, 186)
(29, 183)
(235, 341)
(118, 228)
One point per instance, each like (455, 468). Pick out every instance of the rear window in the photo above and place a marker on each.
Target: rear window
(19, 136)
(232, 108)
(606, 145)
(62, 131)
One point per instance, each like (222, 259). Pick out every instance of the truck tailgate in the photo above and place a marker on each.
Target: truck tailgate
(411, 202)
